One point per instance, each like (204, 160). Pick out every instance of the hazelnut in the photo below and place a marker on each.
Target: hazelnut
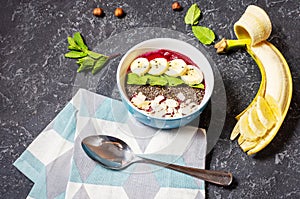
(176, 6)
(119, 12)
(98, 12)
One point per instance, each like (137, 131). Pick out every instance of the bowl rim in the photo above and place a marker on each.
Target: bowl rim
(139, 46)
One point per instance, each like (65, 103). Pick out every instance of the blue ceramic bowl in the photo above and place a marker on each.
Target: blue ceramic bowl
(170, 44)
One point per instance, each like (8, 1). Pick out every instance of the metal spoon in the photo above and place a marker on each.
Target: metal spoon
(115, 154)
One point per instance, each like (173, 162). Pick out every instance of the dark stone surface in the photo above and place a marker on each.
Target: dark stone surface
(37, 81)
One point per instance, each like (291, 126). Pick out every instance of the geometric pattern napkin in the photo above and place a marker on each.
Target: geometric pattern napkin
(59, 168)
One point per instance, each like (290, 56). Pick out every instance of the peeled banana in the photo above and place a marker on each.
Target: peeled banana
(259, 123)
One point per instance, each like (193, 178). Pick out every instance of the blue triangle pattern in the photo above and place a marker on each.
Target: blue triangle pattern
(111, 110)
(175, 179)
(74, 174)
(84, 112)
(65, 122)
(39, 190)
(103, 176)
(61, 196)
(33, 168)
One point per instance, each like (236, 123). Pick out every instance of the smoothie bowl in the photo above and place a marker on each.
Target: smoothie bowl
(165, 83)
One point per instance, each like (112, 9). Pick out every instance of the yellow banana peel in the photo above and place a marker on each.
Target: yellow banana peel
(274, 95)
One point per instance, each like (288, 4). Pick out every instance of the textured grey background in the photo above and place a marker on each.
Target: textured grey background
(37, 81)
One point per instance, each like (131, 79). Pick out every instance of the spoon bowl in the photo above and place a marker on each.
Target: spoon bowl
(115, 154)
(109, 151)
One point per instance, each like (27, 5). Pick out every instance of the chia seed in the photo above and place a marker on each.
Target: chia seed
(171, 92)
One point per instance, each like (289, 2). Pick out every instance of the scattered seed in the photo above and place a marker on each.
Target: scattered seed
(119, 12)
(98, 12)
(176, 6)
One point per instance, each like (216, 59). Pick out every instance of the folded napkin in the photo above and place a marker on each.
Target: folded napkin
(59, 168)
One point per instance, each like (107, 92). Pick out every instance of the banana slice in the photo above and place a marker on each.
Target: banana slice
(140, 66)
(241, 140)
(256, 126)
(274, 106)
(245, 130)
(177, 67)
(192, 76)
(158, 66)
(235, 132)
(248, 145)
(265, 113)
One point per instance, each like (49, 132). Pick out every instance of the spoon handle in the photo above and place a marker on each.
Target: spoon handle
(217, 177)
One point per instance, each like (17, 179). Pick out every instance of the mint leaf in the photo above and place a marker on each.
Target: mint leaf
(99, 64)
(152, 80)
(74, 48)
(94, 54)
(203, 34)
(193, 14)
(75, 54)
(135, 79)
(173, 81)
(85, 64)
(72, 44)
(157, 80)
(198, 86)
(79, 41)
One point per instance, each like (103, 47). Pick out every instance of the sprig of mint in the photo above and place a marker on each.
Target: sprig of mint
(87, 59)
(203, 34)
(162, 80)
